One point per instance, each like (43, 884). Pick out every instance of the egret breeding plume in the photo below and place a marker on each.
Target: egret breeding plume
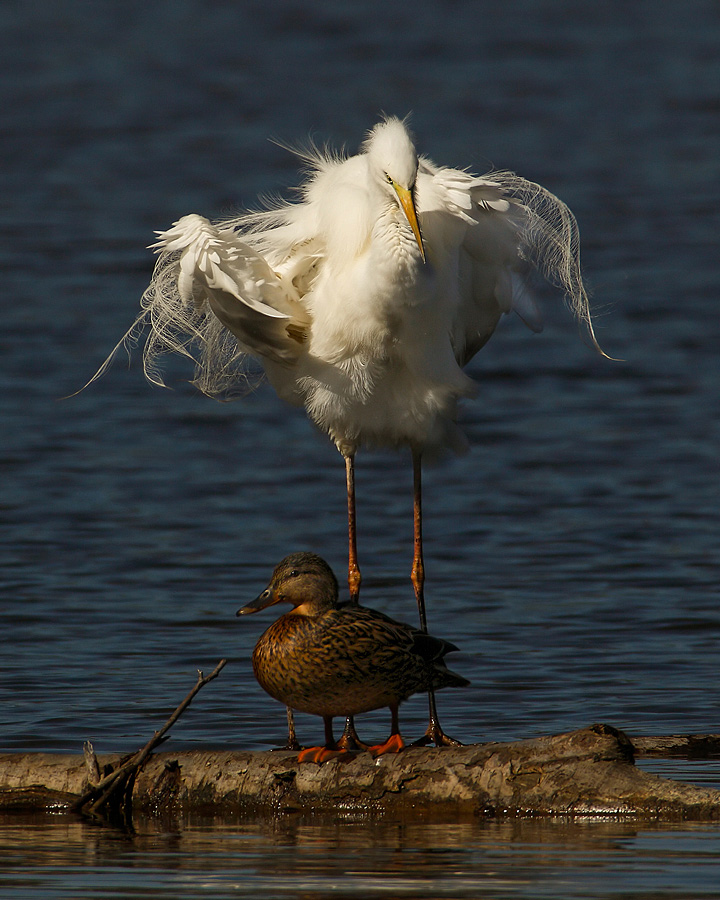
(365, 298)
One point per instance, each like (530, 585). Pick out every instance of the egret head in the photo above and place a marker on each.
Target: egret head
(393, 161)
(391, 152)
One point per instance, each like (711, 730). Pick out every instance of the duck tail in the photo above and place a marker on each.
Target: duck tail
(444, 677)
(434, 650)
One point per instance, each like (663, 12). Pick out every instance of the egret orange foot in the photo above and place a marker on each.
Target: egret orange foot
(350, 740)
(289, 745)
(394, 744)
(435, 735)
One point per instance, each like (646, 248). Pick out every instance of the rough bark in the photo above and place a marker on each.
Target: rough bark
(589, 772)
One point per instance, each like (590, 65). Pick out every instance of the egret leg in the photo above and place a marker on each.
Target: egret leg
(434, 733)
(417, 575)
(350, 739)
(292, 741)
(354, 577)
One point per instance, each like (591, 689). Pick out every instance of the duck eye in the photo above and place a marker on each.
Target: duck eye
(294, 573)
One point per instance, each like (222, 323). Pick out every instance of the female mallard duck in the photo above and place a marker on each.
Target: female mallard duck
(333, 659)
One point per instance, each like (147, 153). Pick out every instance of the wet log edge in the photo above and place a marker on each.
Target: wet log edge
(589, 772)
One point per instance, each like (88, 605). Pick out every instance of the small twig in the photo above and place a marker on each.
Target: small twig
(201, 682)
(101, 792)
(91, 763)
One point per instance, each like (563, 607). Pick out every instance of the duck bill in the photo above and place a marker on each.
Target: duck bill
(267, 598)
(408, 206)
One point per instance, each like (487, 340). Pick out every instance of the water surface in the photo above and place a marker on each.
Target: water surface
(283, 859)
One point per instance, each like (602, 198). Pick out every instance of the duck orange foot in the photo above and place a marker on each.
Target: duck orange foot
(394, 744)
(323, 754)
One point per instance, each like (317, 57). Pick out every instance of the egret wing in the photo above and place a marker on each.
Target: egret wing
(547, 240)
(238, 285)
(513, 227)
(469, 224)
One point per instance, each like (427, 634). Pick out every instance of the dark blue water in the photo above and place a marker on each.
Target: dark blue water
(572, 553)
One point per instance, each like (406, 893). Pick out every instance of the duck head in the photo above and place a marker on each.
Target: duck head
(304, 580)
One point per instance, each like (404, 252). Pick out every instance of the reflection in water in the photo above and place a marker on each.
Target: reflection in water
(295, 856)
(703, 772)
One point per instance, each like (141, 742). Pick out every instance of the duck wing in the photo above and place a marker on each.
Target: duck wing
(404, 650)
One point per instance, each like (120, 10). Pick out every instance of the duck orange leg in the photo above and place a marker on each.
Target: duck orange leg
(329, 751)
(395, 743)
(434, 733)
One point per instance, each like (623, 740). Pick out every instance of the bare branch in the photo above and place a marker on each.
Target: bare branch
(101, 792)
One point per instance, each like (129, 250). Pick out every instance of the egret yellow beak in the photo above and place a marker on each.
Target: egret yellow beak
(408, 205)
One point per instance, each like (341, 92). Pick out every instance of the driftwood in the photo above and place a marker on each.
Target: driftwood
(589, 772)
(679, 746)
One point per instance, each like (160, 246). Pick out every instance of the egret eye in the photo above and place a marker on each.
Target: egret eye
(389, 179)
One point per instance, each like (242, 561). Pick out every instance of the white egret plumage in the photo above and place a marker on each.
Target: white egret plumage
(364, 300)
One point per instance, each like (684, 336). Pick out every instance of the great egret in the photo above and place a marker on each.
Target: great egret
(364, 300)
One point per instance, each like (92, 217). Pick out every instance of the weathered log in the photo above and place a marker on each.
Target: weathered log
(589, 772)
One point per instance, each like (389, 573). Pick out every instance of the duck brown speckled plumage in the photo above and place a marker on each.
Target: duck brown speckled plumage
(332, 659)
